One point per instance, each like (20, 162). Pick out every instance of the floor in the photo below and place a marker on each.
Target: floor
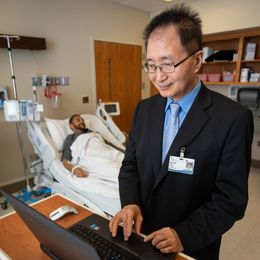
(243, 240)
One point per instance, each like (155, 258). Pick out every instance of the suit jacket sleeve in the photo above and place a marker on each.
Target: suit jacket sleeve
(230, 195)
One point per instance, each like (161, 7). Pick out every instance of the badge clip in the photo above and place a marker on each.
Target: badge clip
(182, 153)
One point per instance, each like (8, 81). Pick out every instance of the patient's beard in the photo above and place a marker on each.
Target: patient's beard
(80, 128)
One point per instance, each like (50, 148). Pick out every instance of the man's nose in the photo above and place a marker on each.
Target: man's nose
(159, 75)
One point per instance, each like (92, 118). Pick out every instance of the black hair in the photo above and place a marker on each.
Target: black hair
(72, 117)
(2, 94)
(187, 22)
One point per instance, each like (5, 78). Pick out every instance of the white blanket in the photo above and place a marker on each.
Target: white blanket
(102, 161)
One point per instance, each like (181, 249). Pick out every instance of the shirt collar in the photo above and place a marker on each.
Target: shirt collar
(186, 101)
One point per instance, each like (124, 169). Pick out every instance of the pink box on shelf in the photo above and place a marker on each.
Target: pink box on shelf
(203, 77)
(228, 77)
(214, 77)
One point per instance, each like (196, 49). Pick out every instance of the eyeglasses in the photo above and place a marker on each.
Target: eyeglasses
(164, 67)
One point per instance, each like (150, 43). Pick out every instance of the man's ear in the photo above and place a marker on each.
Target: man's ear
(72, 127)
(198, 61)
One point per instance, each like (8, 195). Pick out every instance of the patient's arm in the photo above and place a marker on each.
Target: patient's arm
(79, 171)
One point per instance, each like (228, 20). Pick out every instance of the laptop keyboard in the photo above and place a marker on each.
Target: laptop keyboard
(105, 249)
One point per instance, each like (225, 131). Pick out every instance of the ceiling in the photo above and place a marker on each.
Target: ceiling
(149, 5)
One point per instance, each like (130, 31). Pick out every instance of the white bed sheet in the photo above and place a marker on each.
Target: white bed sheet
(104, 197)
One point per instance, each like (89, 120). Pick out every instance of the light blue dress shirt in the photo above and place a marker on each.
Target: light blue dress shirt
(185, 104)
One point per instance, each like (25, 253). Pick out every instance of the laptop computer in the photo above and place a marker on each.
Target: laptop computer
(90, 238)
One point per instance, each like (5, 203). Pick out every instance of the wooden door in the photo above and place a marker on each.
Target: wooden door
(118, 78)
(153, 89)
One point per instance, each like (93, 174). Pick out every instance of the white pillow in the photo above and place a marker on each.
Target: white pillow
(59, 129)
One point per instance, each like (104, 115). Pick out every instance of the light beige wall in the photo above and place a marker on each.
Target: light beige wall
(223, 15)
(69, 26)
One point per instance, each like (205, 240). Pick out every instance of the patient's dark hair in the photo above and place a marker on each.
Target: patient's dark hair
(2, 94)
(72, 117)
(187, 22)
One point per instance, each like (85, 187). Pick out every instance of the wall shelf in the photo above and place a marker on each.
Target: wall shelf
(251, 61)
(227, 83)
(218, 62)
(25, 42)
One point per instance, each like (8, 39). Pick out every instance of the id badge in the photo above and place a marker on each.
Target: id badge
(181, 165)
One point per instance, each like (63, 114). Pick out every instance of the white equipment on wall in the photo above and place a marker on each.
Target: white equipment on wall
(22, 110)
(50, 84)
(11, 110)
(104, 111)
(112, 108)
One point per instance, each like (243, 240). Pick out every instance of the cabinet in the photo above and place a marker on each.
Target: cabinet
(233, 40)
(25, 42)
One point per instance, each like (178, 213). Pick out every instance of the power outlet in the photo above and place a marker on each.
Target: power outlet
(85, 100)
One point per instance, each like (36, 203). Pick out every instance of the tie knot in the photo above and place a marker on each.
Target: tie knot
(175, 107)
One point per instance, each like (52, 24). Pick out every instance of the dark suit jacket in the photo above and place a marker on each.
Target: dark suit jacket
(217, 132)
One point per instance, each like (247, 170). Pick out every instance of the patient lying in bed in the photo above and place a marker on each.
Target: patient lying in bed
(86, 153)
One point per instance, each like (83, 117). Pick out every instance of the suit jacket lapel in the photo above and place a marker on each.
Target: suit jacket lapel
(195, 120)
(156, 132)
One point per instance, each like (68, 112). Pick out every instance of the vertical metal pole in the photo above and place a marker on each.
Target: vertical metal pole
(18, 124)
(11, 63)
(21, 144)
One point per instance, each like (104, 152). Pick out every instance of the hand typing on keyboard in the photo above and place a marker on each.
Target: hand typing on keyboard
(128, 215)
(166, 240)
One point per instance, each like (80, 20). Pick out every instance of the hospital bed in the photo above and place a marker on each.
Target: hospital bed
(47, 139)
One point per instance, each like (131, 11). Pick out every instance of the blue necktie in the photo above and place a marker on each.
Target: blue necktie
(171, 129)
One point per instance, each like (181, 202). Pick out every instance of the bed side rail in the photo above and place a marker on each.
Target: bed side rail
(40, 144)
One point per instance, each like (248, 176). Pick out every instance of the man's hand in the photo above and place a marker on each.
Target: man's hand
(79, 172)
(166, 240)
(132, 219)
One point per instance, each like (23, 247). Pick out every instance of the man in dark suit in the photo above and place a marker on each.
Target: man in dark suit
(186, 196)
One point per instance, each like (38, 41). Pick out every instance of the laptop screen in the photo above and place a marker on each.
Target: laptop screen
(58, 241)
